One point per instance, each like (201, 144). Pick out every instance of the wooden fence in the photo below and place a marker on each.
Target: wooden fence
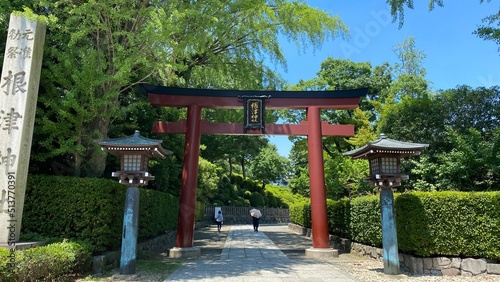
(241, 215)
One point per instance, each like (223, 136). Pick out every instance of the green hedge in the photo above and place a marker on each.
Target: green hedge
(339, 217)
(449, 223)
(91, 209)
(463, 224)
(301, 214)
(365, 224)
(54, 262)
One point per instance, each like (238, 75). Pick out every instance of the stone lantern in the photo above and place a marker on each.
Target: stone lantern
(134, 152)
(384, 157)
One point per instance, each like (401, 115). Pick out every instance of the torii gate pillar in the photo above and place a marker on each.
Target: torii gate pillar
(187, 203)
(321, 239)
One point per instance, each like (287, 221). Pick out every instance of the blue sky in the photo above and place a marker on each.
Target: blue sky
(454, 56)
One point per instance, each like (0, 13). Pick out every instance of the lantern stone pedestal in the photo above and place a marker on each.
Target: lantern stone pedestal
(129, 234)
(389, 234)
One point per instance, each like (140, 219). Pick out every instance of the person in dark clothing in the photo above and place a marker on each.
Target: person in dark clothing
(256, 215)
(255, 221)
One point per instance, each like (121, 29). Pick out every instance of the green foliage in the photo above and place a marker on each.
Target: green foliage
(473, 164)
(398, 8)
(449, 223)
(465, 107)
(269, 166)
(300, 214)
(199, 213)
(157, 213)
(239, 192)
(284, 196)
(270, 200)
(208, 179)
(419, 120)
(234, 150)
(339, 217)
(463, 224)
(53, 262)
(490, 31)
(98, 51)
(299, 184)
(28, 14)
(365, 220)
(342, 176)
(92, 210)
(257, 200)
(462, 129)
(247, 184)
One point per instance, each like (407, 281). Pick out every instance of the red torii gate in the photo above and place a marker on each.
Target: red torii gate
(193, 127)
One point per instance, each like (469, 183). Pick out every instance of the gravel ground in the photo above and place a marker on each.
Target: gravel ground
(365, 269)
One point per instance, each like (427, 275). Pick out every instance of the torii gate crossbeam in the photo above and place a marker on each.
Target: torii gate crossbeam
(193, 127)
(237, 128)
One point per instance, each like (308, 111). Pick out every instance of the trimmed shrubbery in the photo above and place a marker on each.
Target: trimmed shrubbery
(449, 223)
(339, 218)
(365, 220)
(91, 209)
(53, 262)
(86, 211)
(428, 223)
(301, 214)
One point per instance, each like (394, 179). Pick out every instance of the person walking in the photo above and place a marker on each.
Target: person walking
(218, 219)
(256, 215)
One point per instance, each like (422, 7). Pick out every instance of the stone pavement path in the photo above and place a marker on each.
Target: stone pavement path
(252, 256)
(273, 254)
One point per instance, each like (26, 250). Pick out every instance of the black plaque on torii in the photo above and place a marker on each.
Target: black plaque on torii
(254, 112)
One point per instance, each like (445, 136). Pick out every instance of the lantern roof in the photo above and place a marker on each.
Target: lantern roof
(134, 143)
(387, 146)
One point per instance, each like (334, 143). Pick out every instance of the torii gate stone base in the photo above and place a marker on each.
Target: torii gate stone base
(197, 99)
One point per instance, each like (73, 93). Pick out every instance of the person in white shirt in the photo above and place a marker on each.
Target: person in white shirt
(218, 219)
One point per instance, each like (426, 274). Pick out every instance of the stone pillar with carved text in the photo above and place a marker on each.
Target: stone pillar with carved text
(18, 97)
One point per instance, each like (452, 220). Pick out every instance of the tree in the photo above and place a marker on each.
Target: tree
(231, 38)
(471, 165)
(208, 179)
(467, 108)
(99, 50)
(419, 120)
(409, 72)
(338, 74)
(342, 177)
(461, 127)
(269, 166)
(299, 184)
(398, 7)
(489, 32)
(92, 59)
(232, 148)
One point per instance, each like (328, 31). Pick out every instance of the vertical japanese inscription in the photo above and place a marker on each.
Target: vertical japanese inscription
(254, 114)
(19, 83)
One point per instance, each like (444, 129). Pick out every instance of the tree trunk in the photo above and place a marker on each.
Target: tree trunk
(243, 168)
(95, 159)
